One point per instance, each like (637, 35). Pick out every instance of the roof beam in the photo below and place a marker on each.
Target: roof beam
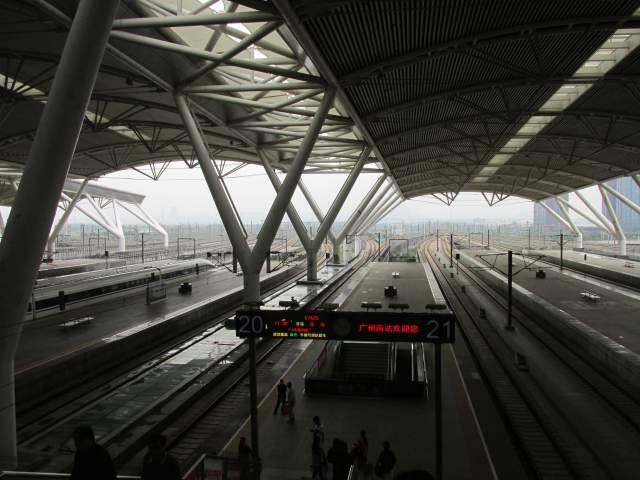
(473, 42)
(194, 20)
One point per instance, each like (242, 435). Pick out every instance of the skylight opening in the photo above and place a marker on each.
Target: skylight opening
(617, 46)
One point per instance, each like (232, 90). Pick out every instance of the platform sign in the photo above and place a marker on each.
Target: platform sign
(429, 327)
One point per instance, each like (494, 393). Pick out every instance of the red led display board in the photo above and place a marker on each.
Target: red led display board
(431, 327)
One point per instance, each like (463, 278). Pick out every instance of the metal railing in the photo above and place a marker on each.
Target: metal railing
(10, 475)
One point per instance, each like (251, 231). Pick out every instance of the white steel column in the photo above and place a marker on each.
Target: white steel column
(231, 223)
(1, 223)
(296, 221)
(622, 239)
(356, 215)
(35, 204)
(382, 197)
(607, 228)
(604, 220)
(338, 202)
(317, 211)
(623, 198)
(288, 187)
(116, 217)
(556, 215)
(99, 219)
(65, 216)
(381, 215)
(574, 227)
(144, 217)
(376, 209)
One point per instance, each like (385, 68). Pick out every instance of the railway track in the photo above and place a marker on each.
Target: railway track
(591, 427)
(124, 412)
(213, 419)
(549, 264)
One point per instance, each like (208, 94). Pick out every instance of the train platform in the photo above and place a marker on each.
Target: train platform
(609, 309)
(414, 287)
(146, 394)
(408, 424)
(43, 339)
(619, 270)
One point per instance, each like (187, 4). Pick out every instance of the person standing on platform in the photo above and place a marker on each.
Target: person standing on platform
(244, 458)
(318, 461)
(291, 402)
(386, 462)
(282, 397)
(158, 464)
(92, 462)
(338, 455)
(359, 454)
(317, 430)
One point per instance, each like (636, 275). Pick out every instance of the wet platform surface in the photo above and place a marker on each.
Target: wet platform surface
(164, 380)
(615, 314)
(43, 340)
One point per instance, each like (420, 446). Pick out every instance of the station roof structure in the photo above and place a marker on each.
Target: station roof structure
(523, 98)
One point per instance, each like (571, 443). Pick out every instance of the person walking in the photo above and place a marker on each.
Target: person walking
(244, 458)
(317, 430)
(282, 397)
(318, 461)
(386, 462)
(158, 464)
(91, 462)
(291, 402)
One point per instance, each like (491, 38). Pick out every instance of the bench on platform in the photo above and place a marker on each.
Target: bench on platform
(592, 297)
(76, 322)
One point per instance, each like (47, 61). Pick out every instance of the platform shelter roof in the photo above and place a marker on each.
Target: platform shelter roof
(531, 99)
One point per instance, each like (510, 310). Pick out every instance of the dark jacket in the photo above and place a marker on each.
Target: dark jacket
(282, 391)
(95, 464)
(167, 468)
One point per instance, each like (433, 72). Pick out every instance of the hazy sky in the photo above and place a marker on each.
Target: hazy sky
(181, 195)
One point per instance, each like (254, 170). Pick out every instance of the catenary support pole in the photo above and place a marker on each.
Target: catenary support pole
(34, 207)
(451, 250)
(438, 408)
(510, 290)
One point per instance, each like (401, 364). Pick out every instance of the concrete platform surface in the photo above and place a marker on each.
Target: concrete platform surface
(407, 423)
(615, 314)
(628, 267)
(43, 340)
(412, 285)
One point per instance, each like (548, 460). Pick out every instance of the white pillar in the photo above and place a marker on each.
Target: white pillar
(622, 239)
(116, 216)
(65, 216)
(35, 203)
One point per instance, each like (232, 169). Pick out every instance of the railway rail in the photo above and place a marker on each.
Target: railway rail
(570, 420)
(124, 412)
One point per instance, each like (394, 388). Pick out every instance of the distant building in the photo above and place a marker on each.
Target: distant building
(543, 219)
(629, 219)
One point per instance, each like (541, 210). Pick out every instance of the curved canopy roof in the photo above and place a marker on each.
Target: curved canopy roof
(507, 98)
